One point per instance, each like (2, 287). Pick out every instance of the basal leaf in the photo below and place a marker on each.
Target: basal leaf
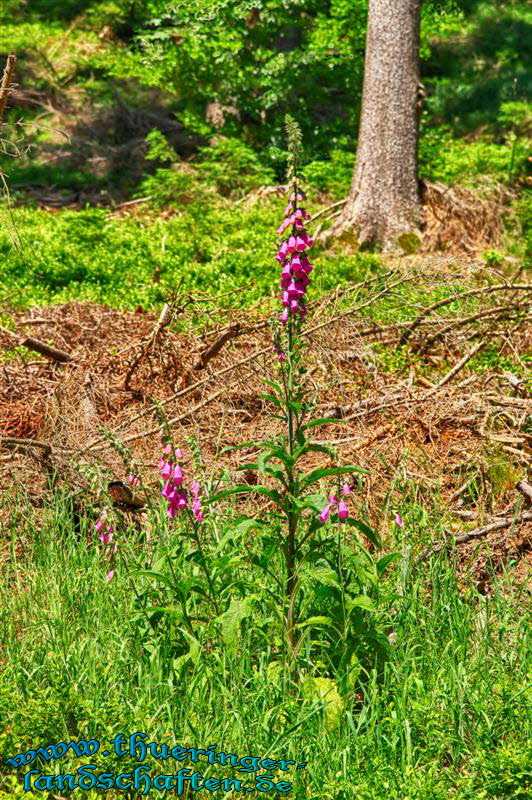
(317, 474)
(318, 620)
(271, 493)
(362, 601)
(383, 562)
(230, 621)
(315, 423)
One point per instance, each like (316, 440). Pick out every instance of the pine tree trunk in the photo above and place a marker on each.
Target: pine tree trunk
(384, 202)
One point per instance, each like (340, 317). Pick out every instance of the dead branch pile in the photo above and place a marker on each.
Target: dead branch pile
(458, 219)
(430, 423)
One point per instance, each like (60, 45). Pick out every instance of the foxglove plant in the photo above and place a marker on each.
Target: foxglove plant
(173, 489)
(105, 535)
(183, 501)
(304, 538)
(306, 571)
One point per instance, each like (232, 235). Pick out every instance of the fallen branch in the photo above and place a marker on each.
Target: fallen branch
(327, 208)
(40, 347)
(525, 488)
(365, 408)
(133, 202)
(463, 538)
(462, 489)
(515, 452)
(460, 365)
(216, 346)
(500, 287)
(148, 343)
(355, 309)
(473, 318)
(10, 443)
(378, 433)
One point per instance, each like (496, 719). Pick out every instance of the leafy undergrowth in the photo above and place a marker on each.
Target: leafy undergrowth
(445, 715)
(129, 261)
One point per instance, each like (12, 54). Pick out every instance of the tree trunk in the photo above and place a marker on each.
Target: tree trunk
(384, 203)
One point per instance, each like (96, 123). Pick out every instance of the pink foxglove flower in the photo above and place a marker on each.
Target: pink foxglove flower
(343, 511)
(106, 538)
(295, 266)
(196, 504)
(399, 521)
(324, 516)
(337, 505)
(172, 489)
(166, 470)
(346, 489)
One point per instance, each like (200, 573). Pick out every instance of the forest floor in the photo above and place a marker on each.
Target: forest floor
(439, 401)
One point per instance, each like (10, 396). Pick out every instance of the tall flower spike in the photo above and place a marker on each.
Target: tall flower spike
(172, 489)
(295, 266)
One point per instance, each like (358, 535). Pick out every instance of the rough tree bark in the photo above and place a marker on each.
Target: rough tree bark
(384, 202)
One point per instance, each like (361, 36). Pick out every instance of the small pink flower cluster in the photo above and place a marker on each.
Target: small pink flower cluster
(334, 504)
(173, 491)
(106, 538)
(281, 355)
(196, 504)
(295, 266)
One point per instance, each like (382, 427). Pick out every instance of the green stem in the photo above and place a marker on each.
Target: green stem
(291, 514)
(204, 565)
(182, 600)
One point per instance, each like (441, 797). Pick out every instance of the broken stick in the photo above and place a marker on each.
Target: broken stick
(498, 525)
(216, 346)
(39, 347)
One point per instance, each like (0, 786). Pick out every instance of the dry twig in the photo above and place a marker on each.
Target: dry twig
(40, 347)
(463, 538)
(502, 287)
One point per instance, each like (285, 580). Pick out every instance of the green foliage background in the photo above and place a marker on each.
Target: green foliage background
(131, 81)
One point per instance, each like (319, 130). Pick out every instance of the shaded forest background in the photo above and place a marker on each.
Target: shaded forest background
(209, 83)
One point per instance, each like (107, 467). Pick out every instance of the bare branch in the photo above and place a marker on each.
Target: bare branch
(39, 347)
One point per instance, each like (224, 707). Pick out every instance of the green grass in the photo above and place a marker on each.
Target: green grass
(87, 256)
(447, 717)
